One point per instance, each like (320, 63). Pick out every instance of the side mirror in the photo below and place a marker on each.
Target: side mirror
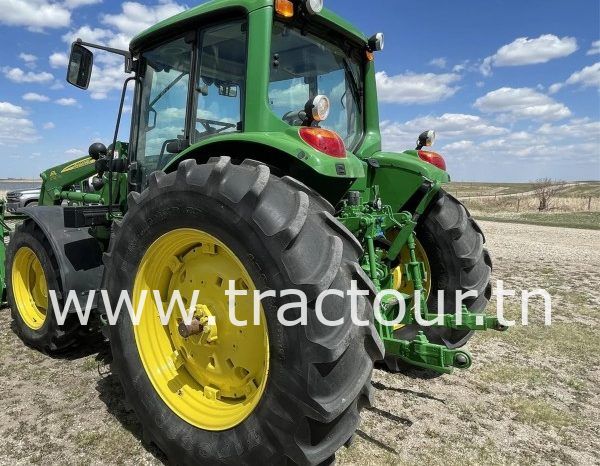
(80, 66)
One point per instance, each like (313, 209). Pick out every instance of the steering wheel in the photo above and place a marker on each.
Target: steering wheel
(209, 125)
(295, 117)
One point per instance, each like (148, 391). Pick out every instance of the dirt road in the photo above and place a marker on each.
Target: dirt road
(531, 396)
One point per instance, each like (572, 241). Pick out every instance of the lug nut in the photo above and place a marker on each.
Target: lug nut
(194, 328)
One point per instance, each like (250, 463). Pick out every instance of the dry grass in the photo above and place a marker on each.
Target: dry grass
(530, 203)
(576, 206)
(477, 189)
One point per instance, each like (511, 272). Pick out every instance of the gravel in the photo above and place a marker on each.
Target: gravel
(531, 396)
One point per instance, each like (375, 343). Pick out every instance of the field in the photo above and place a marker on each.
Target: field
(531, 396)
(576, 205)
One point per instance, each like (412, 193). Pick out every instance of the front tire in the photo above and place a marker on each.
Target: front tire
(32, 271)
(285, 237)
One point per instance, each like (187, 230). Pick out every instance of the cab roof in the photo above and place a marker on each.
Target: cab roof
(216, 8)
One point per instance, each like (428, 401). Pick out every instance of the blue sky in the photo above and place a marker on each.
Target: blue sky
(511, 87)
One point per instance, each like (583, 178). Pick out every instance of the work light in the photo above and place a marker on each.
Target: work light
(376, 42)
(320, 108)
(426, 138)
(313, 6)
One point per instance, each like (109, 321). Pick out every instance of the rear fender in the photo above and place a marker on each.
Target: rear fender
(403, 178)
(286, 142)
(77, 253)
(285, 155)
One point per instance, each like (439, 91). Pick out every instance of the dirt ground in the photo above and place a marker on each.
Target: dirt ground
(532, 395)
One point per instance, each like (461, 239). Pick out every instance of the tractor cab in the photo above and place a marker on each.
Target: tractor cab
(293, 78)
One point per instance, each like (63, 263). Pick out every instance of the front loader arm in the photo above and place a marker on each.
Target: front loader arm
(58, 181)
(60, 178)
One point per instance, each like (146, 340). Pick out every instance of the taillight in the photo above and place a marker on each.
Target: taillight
(324, 140)
(433, 158)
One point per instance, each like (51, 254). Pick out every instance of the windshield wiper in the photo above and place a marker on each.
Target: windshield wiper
(167, 89)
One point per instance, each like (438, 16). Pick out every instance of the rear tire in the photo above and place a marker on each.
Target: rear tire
(286, 237)
(454, 245)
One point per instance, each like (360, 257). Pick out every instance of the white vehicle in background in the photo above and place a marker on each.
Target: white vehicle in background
(16, 200)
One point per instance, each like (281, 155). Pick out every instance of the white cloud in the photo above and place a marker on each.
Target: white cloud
(135, 17)
(29, 59)
(120, 28)
(554, 88)
(525, 151)
(58, 60)
(37, 15)
(78, 3)
(582, 128)
(411, 88)
(6, 108)
(19, 76)
(462, 66)
(75, 152)
(586, 77)
(549, 142)
(14, 127)
(290, 96)
(459, 146)
(440, 62)
(594, 49)
(117, 32)
(400, 136)
(66, 101)
(525, 51)
(106, 79)
(88, 34)
(33, 97)
(49, 125)
(519, 103)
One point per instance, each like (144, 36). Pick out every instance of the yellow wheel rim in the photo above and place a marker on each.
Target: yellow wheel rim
(30, 288)
(400, 281)
(215, 378)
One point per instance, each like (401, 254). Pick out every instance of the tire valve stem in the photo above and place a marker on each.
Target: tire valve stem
(194, 328)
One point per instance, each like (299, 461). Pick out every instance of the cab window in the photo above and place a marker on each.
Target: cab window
(220, 79)
(164, 96)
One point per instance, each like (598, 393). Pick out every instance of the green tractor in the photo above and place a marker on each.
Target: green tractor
(255, 157)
